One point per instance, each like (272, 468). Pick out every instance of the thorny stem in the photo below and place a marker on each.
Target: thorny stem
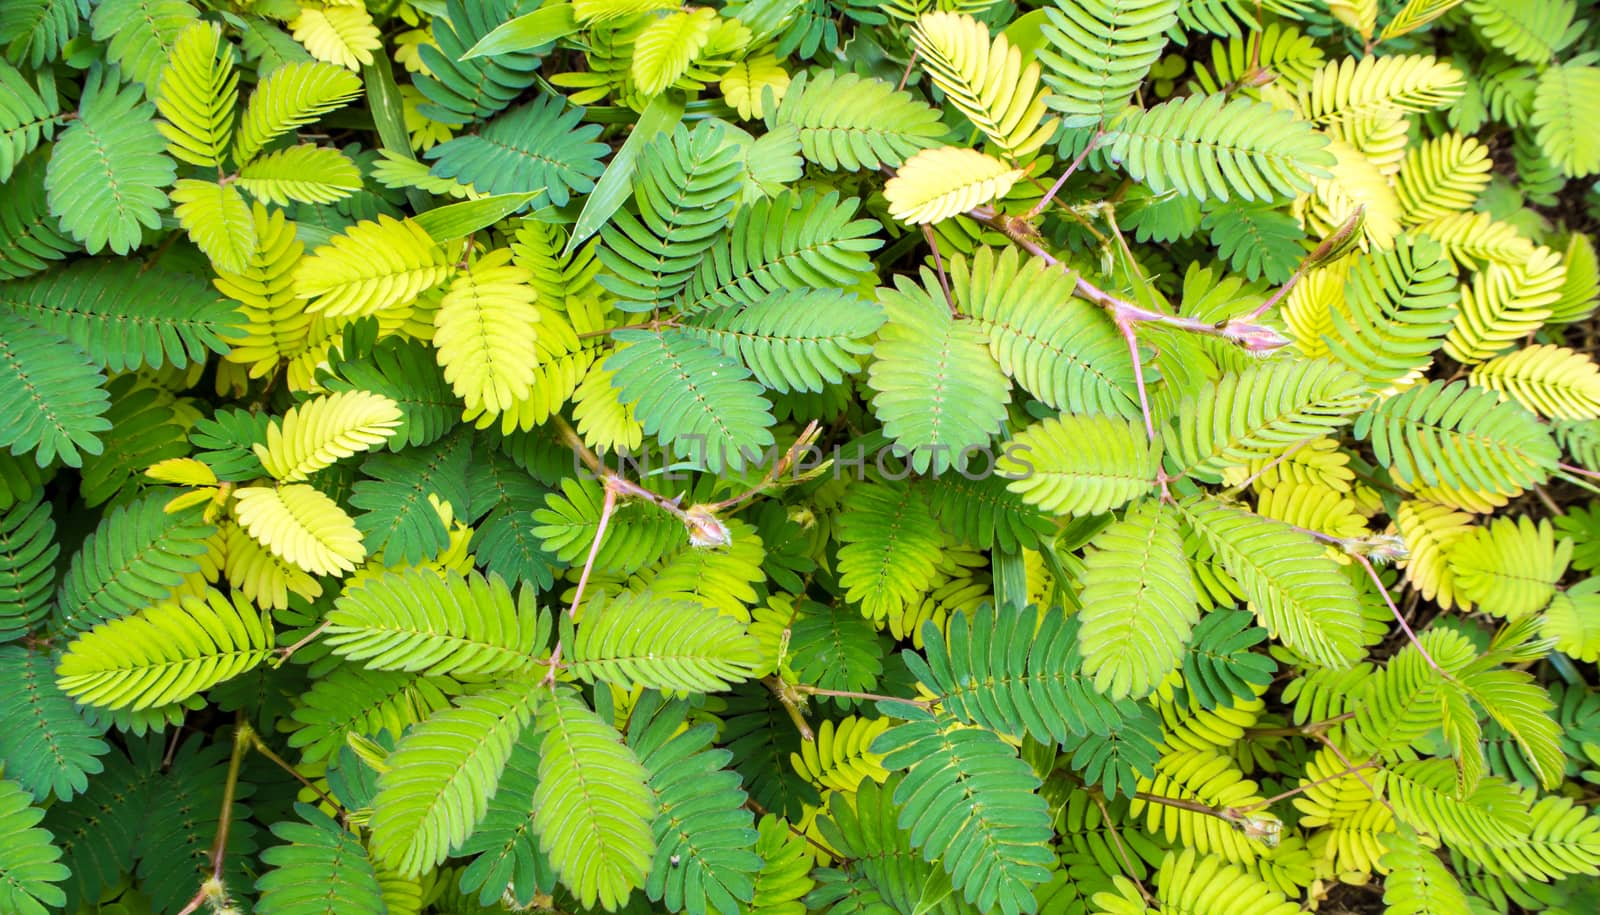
(1126, 329)
(1054, 188)
(607, 509)
(791, 701)
(938, 264)
(1329, 248)
(1186, 804)
(807, 437)
(642, 325)
(1269, 465)
(754, 807)
(1122, 850)
(1267, 802)
(906, 76)
(555, 665)
(1572, 468)
(807, 689)
(284, 654)
(1372, 573)
(1354, 770)
(1399, 617)
(259, 746)
(1255, 337)
(1303, 730)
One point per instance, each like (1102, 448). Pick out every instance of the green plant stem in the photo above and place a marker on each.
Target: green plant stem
(809, 690)
(259, 746)
(213, 888)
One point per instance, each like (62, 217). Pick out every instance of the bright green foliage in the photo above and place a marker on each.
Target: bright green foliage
(535, 147)
(966, 791)
(287, 98)
(794, 341)
(320, 868)
(592, 808)
(1395, 312)
(52, 750)
(1206, 147)
(108, 168)
(198, 92)
(27, 119)
(159, 317)
(418, 621)
(460, 90)
(1296, 592)
(28, 550)
(999, 673)
(934, 412)
(1099, 51)
(636, 640)
(681, 201)
(142, 34)
(1059, 349)
(789, 242)
(848, 123)
(50, 395)
(138, 556)
(30, 865)
(1139, 602)
(704, 836)
(1455, 435)
(165, 654)
(798, 456)
(1259, 412)
(1080, 465)
(687, 393)
(437, 782)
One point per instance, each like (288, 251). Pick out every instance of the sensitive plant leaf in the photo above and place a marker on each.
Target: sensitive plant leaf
(326, 429)
(51, 398)
(109, 167)
(198, 93)
(1002, 825)
(218, 221)
(640, 640)
(1206, 146)
(1080, 465)
(290, 97)
(937, 390)
(484, 332)
(301, 526)
(166, 653)
(47, 745)
(126, 315)
(1295, 590)
(438, 780)
(936, 184)
(1139, 604)
(301, 174)
(320, 869)
(30, 865)
(690, 395)
(593, 809)
(418, 620)
(372, 266)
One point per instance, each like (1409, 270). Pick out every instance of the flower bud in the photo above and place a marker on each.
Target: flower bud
(705, 528)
